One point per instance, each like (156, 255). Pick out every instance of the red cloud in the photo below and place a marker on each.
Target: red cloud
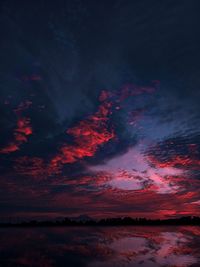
(88, 136)
(12, 147)
(23, 129)
(176, 161)
(34, 167)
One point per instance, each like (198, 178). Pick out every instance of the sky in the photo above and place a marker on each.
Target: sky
(99, 104)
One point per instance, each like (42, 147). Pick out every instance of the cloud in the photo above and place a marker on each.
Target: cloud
(22, 131)
(178, 152)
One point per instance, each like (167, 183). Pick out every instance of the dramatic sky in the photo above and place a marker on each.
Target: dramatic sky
(100, 108)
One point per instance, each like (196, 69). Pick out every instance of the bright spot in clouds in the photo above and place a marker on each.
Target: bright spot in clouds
(131, 171)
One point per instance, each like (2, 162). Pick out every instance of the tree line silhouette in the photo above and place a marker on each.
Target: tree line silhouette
(189, 220)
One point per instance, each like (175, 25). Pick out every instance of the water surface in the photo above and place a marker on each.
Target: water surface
(100, 246)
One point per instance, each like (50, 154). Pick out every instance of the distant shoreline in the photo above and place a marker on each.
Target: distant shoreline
(126, 221)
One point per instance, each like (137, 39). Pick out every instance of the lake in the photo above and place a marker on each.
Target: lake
(142, 246)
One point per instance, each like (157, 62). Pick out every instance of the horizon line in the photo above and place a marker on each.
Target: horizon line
(115, 221)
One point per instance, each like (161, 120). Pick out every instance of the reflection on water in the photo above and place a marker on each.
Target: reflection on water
(100, 246)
